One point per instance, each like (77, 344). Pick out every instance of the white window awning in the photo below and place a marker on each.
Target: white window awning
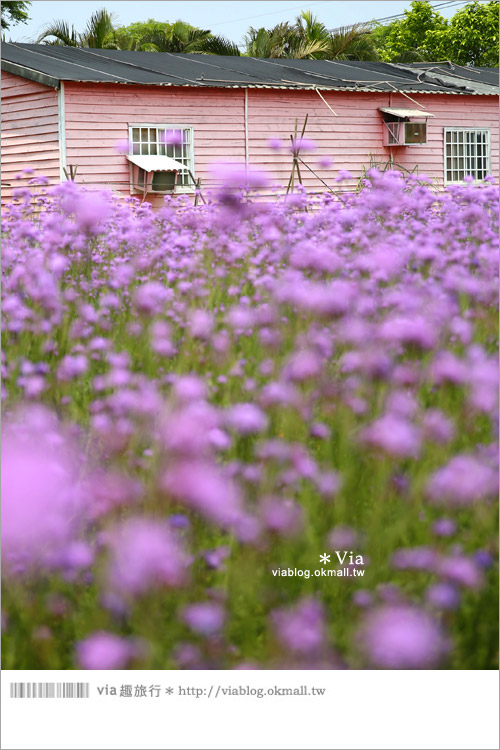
(406, 113)
(156, 163)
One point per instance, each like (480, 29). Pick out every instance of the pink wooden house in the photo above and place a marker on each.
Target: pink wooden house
(66, 108)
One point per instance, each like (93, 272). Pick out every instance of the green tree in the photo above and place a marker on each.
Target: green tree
(412, 37)
(13, 13)
(162, 36)
(471, 37)
(133, 36)
(97, 34)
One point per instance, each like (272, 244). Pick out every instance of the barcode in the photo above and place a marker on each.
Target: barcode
(49, 689)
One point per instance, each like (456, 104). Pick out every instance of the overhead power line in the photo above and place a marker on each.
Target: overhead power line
(386, 19)
(396, 16)
(273, 12)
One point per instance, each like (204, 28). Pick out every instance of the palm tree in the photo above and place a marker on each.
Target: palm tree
(312, 33)
(352, 43)
(266, 42)
(283, 40)
(97, 33)
(218, 45)
(62, 33)
(309, 38)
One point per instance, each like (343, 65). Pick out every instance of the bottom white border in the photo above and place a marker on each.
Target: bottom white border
(359, 709)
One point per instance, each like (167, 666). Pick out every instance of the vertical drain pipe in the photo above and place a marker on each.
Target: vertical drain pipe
(61, 126)
(246, 129)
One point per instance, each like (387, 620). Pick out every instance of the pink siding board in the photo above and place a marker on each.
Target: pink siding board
(22, 119)
(13, 85)
(29, 131)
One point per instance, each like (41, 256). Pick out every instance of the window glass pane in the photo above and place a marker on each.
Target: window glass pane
(144, 134)
(135, 135)
(152, 149)
(145, 149)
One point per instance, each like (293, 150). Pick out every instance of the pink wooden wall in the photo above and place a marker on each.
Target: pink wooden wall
(29, 131)
(356, 133)
(97, 116)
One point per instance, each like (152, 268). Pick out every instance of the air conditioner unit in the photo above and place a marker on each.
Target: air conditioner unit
(154, 182)
(404, 133)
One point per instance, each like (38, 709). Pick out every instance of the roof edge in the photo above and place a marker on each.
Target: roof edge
(30, 74)
(306, 87)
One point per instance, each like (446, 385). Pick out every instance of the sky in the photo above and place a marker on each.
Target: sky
(229, 18)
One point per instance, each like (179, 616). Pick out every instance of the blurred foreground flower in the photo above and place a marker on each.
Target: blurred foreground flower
(43, 504)
(204, 618)
(144, 554)
(301, 628)
(103, 650)
(402, 637)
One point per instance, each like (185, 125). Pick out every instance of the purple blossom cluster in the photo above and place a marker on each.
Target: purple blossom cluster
(196, 396)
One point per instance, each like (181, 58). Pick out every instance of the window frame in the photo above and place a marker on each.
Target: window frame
(170, 126)
(402, 122)
(462, 129)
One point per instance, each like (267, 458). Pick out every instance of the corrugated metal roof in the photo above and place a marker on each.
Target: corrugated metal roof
(155, 163)
(470, 79)
(402, 112)
(57, 63)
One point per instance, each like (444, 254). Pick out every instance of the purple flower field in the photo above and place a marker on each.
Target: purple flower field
(199, 402)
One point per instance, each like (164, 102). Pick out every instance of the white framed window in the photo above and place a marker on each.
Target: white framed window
(467, 151)
(172, 140)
